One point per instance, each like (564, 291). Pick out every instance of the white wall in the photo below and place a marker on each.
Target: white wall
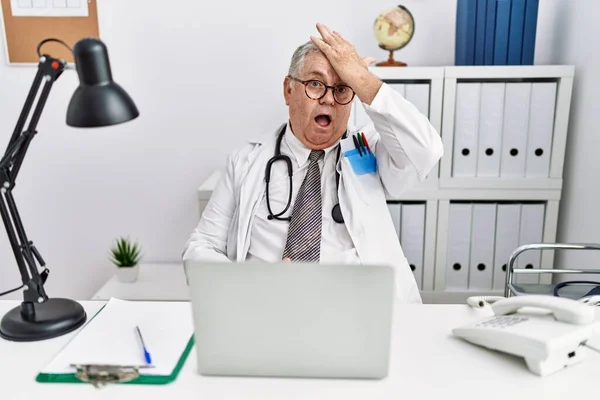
(205, 75)
(580, 207)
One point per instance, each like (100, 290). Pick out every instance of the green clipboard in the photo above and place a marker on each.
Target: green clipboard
(141, 379)
(102, 374)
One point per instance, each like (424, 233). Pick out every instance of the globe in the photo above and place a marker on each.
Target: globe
(393, 29)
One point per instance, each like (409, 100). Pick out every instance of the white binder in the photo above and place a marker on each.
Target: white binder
(507, 240)
(541, 127)
(515, 128)
(532, 230)
(466, 129)
(412, 237)
(396, 214)
(482, 246)
(459, 246)
(399, 87)
(418, 94)
(490, 129)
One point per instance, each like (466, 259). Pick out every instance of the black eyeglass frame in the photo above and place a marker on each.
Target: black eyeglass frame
(306, 82)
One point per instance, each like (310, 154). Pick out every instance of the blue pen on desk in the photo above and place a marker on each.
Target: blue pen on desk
(146, 353)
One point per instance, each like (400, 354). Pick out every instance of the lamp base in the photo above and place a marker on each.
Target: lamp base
(50, 319)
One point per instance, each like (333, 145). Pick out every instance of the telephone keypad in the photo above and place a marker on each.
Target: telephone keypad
(502, 321)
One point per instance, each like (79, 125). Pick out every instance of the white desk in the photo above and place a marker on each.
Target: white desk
(160, 282)
(426, 362)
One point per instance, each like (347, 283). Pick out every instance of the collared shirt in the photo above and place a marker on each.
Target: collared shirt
(268, 237)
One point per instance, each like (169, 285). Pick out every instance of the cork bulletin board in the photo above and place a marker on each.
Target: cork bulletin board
(23, 33)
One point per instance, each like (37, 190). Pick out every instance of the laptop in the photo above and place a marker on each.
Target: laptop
(291, 319)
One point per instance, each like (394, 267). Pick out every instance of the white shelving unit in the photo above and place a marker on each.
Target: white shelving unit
(440, 93)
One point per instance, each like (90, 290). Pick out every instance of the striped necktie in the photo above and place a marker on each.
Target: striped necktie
(304, 232)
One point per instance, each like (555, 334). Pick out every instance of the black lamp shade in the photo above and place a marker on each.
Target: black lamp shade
(98, 101)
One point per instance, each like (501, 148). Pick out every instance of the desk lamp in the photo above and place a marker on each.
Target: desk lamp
(98, 101)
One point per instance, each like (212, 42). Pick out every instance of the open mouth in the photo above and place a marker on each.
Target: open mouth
(323, 120)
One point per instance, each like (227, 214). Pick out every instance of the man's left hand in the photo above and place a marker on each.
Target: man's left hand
(350, 67)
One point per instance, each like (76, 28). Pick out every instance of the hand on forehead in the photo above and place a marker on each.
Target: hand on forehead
(317, 66)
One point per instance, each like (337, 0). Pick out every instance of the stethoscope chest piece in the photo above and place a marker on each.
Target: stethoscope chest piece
(336, 213)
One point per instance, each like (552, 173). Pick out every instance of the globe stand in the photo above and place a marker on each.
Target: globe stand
(391, 62)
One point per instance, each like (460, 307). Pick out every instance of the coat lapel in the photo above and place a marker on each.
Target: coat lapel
(253, 188)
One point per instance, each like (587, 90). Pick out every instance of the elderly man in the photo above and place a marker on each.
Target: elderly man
(300, 194)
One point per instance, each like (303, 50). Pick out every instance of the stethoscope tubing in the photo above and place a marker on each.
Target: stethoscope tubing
(336, 211)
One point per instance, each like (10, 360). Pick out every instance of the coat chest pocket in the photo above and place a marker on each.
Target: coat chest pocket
(367, 186)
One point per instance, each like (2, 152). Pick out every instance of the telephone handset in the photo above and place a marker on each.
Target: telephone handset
(549, 332)
(564, 310)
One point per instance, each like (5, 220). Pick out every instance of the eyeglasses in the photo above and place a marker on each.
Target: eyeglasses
(316, 90)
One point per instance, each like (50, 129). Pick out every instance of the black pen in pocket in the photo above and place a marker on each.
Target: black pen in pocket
(356, 145)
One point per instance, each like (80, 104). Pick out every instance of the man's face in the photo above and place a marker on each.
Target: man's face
(318, 124)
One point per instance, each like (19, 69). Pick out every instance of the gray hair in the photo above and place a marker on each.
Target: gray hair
(299, 55)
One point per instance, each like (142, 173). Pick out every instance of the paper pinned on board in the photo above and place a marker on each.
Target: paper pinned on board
(49, 8)
(109, 338)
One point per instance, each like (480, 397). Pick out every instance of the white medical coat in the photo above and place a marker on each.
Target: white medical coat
(406, 146)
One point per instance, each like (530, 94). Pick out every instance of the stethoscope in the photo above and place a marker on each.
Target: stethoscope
(336, 211)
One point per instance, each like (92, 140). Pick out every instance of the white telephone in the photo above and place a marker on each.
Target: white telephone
(549, 332)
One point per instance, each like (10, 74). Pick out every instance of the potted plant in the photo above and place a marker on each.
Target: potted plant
(125, 255)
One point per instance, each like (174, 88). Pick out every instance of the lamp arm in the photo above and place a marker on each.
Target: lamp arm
(49, 69)
(45, 68)
(35, 86)
(23, 251)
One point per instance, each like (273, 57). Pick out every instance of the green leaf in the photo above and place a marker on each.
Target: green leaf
(125, 252)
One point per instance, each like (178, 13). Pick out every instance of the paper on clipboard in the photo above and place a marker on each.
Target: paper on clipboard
(49, 8)
(109, 338)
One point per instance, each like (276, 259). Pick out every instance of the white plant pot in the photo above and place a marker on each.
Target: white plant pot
(128, 274)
